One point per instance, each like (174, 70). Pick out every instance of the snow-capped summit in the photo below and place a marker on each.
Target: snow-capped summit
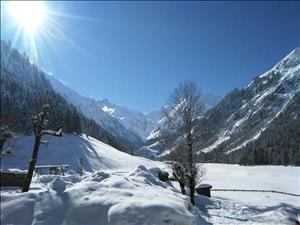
(244, 115)
(140, 123)
(250, 118)
(100, 111)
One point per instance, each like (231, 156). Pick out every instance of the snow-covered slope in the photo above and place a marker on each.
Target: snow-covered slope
(268, 103)
(122, 193)
(95, 110)
(132, 126)
(70, 149)
(153, 147)
(140, 123)
(242, 116)
(119, 120)
(122, 189)
(144, 124)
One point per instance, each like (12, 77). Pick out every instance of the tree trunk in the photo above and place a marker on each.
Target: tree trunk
(182, 188)
(190, 160)
(192, 190)
(1, 145)
(32, 164)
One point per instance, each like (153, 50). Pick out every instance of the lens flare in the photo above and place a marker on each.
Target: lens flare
(29, 15)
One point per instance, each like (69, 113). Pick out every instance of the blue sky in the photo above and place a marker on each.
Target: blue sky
(136, 53)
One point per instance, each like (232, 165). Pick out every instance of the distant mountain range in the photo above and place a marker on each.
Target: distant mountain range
(131, 126)
(258, 124)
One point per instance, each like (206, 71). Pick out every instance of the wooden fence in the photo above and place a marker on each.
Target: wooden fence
(244, 190)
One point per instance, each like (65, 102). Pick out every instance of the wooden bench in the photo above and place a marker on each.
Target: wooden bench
(53, 169)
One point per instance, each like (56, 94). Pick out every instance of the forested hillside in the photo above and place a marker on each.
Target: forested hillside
(258, 124)
(25, 89)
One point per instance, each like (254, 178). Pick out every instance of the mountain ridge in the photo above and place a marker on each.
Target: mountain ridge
(124, 122)
(244, 126)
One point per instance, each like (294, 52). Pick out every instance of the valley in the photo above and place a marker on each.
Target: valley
(150, 113)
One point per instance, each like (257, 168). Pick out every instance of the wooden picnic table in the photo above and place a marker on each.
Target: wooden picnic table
(53, 169)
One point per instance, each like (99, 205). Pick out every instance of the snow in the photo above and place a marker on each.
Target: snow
(154, 134)
(70, 149)
(252, 207)
(138, 122)
(94, 109)
(237, 124)
(118, 189)
(255, 137)
(135, 197)
(121, 189)
(151, 151)
(215, 144)
(58, 185)
(108, 110)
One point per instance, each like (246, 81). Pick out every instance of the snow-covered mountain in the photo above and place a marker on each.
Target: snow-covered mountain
(140, 123)
(25, 89)
(263, 115)
(128, 124)
(243, 115)
(99, 112)
(153, 147)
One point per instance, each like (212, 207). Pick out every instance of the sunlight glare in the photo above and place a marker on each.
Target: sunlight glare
(29, 15)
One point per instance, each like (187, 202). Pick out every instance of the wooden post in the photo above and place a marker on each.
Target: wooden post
(81, 166)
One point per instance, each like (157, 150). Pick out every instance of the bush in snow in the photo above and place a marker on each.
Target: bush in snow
(162, 175)
(4, 135)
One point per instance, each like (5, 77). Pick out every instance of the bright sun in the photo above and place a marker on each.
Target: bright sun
(29, 15)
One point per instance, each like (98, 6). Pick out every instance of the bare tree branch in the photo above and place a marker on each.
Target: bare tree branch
(185, 105)
(51, 132)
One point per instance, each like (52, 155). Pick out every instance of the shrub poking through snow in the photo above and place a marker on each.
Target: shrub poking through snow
(163, 175)
(5, 134)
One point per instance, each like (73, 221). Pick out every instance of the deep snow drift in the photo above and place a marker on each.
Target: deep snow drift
(70, 149)
(120, 189)
(136, 197)
(125, 189)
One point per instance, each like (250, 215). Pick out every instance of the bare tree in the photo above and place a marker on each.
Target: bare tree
(39, 128)
(179, 173)
(185, 105)
(5, 134)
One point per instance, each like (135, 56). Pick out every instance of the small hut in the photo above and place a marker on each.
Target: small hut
(204, 189)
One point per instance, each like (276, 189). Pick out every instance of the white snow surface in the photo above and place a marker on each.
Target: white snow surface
(288, 71)
(252, 208)
(100, 111)
(70, 149)
(140, 123)
(124, 190)
(120, 189)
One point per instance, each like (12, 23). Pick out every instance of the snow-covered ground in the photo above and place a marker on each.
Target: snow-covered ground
(252, 207)
(71, 149)
(119, 189)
